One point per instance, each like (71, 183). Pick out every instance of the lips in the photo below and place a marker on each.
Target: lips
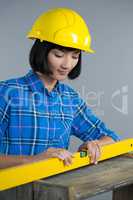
(62, 72)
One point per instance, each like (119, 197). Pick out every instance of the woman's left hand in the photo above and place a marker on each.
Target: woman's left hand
(93, 149)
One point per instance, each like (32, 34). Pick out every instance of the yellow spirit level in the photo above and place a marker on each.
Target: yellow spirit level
(18, 175)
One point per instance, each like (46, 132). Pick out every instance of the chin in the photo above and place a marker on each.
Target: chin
(61, 78)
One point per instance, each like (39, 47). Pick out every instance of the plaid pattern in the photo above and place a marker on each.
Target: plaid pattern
(33, 119)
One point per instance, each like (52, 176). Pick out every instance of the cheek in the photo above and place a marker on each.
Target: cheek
(74, 63)
(53, 63)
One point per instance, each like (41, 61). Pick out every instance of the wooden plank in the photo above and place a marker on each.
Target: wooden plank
(24, 192)
(92, 180)
(123, 193)
(42, 192)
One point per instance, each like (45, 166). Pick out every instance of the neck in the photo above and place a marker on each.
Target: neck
(48, 82)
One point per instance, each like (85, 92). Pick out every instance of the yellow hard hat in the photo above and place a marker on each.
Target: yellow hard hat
(62, 26)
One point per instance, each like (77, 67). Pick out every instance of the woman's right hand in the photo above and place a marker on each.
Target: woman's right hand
(60, 153)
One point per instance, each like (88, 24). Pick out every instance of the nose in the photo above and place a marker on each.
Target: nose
(67, 64)
(65, 67)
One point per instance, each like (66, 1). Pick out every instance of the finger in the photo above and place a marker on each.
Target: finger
(67, 153)
(67, 161)
(93, 151)
(68, 157)
(61, 157)
(92, 154)
(99, 148)
(98, 151)
(97, 154)
(58, 154)
(64, 155)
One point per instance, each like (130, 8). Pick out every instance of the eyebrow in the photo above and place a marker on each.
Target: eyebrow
(64, 50)
(77, 51)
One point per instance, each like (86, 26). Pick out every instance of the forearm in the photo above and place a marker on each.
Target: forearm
(105, 140)
(12, 160)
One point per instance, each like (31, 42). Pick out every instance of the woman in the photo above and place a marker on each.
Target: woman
(38, 113)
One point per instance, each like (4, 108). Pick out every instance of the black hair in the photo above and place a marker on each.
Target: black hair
(38, 58)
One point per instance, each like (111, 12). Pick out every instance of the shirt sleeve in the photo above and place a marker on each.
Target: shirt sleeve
(4, 104)
(87, 126)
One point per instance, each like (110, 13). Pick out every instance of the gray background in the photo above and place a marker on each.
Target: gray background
(106, 79)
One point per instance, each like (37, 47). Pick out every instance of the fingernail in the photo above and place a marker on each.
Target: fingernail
(68, 164)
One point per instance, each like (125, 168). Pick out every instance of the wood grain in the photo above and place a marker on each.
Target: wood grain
(92, 180)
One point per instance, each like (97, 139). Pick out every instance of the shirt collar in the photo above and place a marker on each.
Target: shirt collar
(36, 84)
(33, 81)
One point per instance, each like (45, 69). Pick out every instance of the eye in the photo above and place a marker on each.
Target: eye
(58, 55)
(75, 57)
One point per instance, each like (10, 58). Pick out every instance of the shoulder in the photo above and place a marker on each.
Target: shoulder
(12, 87)
(13, 83)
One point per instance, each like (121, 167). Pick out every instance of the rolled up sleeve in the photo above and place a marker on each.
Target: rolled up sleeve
(87, 126)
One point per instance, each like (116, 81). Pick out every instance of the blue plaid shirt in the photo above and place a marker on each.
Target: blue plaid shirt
(32, 119)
